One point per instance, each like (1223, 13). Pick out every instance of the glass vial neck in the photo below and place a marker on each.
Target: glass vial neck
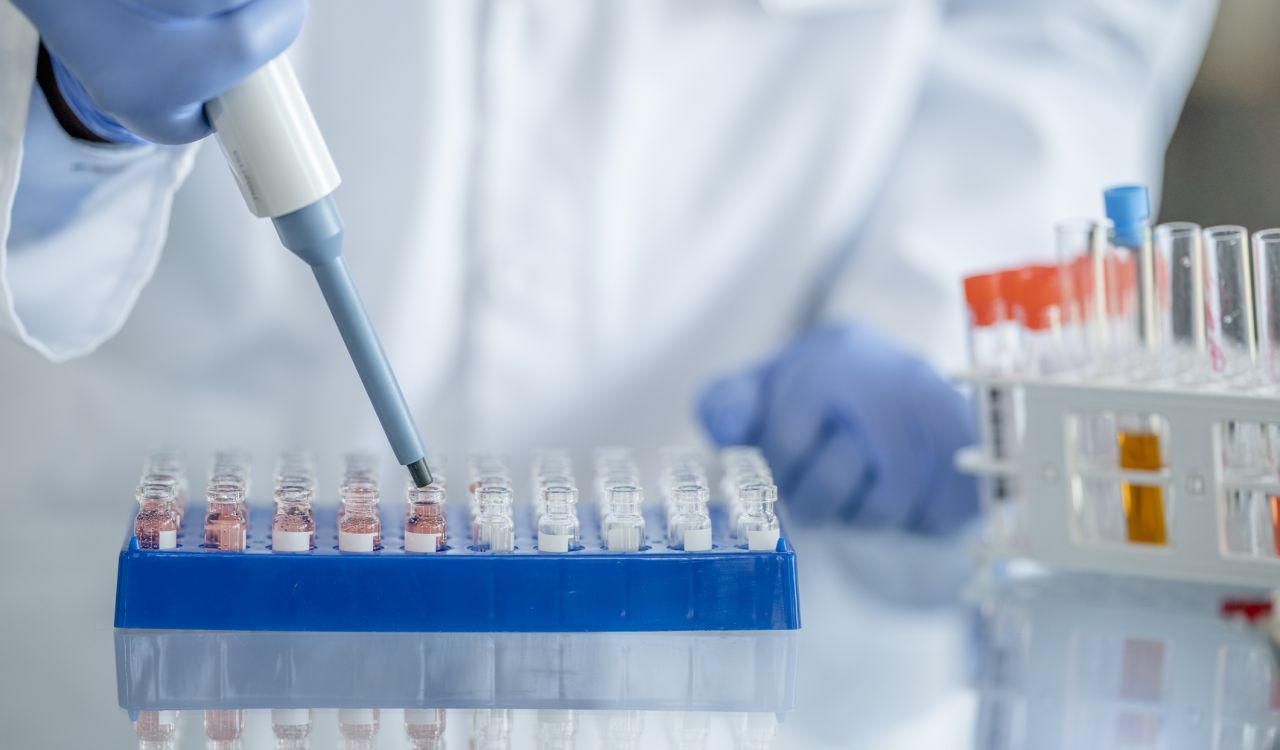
(758, 499)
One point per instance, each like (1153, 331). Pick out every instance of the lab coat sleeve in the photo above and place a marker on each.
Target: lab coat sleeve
(81, 224)
(1028, 110)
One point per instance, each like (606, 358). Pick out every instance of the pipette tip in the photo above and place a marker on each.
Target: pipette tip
(420, 472)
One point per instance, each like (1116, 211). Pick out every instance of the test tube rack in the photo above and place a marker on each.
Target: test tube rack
(456, 589)
(1049, 472)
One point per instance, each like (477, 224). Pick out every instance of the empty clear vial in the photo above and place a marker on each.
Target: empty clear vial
(624, 524)
(424, 524)
(360, 529)
(758, 528)
(540, 486)
(225, 522)
(491, 729)
(1180, 302)
(558, 528)
(494, 529)
(293, 525)
(689, 527)
(291, 727)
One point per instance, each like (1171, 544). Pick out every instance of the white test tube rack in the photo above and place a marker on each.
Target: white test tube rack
(1194, 479)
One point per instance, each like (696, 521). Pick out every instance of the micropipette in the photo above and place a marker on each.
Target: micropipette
(285, 172)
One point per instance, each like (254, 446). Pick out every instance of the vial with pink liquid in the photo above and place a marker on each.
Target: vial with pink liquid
(360, 529)
(156, 525)
(425, 728)
(225, 523)
(424, 523)
(293, 527)
(223, 727)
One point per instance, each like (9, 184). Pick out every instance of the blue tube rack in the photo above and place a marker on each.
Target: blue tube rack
(455, 590)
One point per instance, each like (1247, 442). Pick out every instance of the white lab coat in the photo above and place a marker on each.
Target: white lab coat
(564, 215)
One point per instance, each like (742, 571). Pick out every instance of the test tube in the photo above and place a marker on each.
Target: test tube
(1035, 295)
(1266, 249)
(1232, 344)
(1139, 440)
(991, 349)
(1180, 300)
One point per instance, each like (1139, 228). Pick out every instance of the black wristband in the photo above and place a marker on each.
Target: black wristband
(61, 110)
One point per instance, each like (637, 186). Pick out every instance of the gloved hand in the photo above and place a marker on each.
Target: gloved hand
(853, 428)
(134, 70)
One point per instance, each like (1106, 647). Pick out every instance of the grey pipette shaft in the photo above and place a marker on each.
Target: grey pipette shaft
(314, 234)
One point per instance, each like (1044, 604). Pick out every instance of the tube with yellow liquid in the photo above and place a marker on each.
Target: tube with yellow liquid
(1144, 508)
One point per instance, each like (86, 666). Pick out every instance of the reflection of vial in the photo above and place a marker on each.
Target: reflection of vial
(690, 730)
(293, 528)
(358, 726)
(689, 528)
(425, 728)
(623, 730)
(225, 524)
(494, 530)
(360, 529)
(558, 526)
(491, 729)
(156, 729)
(757, 525)
(156, 525)
(556, 729)
(424, 523)
(291, 726)
(223, 727)
(1139, 443)
(756, 731)
(624, 526)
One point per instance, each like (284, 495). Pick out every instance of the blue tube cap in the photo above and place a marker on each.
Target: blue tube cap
(1129, 209)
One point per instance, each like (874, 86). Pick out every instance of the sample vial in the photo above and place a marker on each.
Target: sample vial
(156, 524)
(758, 528)
(293, 527)
(540, 486)
(494, 530)
(291, 726)
(622, 730)
(558, 528)
(425, 728)
(360, 529)
(689, 528)
(350, 484)
(225, 523)
(171, 481)
(424, 523)
(624, 524)
(1139, 441)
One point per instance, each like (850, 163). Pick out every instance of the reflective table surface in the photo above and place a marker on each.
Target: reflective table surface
(905, 643)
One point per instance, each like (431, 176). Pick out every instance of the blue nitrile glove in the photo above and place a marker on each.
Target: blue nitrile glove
(141, 70)
(854, 428)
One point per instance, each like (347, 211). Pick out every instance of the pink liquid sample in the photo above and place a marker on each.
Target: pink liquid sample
(358, 724)
(424, 725)
(224, 530)
(295, 523)
(427, 524)
(153, 726)
(362, 524)
(150, 523)
(223, 726)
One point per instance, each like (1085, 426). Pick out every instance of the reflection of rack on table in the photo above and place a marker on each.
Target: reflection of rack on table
(1076, 495)
(729, 671)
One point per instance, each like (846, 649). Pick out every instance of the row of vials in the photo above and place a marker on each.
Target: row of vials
(685, 490)
(428, 728)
